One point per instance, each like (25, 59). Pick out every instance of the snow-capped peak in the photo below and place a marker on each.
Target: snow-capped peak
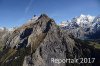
(7, 29)
(82, 21)
(82, 15)
(32, 20)
(86, 16)
(65, 23)
(1, 28)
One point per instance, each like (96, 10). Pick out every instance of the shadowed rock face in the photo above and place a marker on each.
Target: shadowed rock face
(36, 43)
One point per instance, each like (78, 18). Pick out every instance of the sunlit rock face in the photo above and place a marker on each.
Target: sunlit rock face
(37, 41)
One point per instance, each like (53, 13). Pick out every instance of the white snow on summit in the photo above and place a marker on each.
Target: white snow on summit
(1, 28)
(7, 29)
(82, 21)
(64, 23)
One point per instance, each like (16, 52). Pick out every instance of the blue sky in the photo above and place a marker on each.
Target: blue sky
(17, 12)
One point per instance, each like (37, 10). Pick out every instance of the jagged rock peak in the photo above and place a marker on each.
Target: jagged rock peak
(35, 19)
(41, 21)
(43, 15)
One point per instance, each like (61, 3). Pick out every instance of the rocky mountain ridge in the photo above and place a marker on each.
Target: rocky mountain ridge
(35, 43)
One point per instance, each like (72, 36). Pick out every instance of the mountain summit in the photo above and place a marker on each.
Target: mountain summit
(83, 26)
(80, 20)
(36, 43)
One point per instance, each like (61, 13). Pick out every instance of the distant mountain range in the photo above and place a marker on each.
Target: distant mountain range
(39, 40)
(8, 29)
(83, 26)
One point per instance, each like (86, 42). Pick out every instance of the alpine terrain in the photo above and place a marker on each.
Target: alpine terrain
(83, 26)
(40, 40)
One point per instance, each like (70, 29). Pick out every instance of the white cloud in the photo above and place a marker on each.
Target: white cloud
(28, 6)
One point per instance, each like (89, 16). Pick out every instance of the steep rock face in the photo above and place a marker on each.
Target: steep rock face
(36, 43)
(53, 43)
